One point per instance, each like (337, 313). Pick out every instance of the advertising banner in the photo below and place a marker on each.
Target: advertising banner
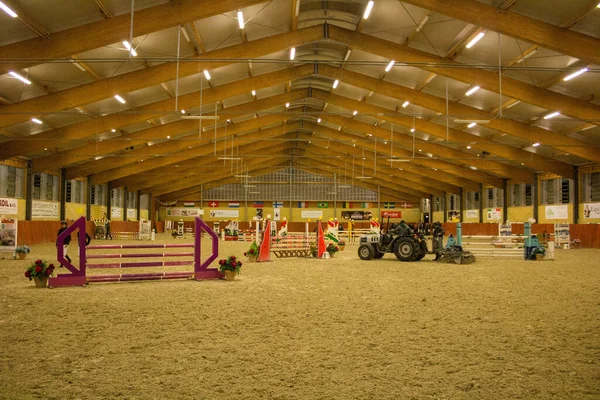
(184, 212)
(131, 213)
(8, 235)
(357, 215)
(225, 213)
(391, 214)
(44, 210)
(116, 212)
(145, 230)
(472, 214)
(312, 214)
(494, 213)
(591, 210)
(557, 212)
(8, 206)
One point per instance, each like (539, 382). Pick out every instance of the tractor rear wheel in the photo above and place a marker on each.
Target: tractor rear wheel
(405, 249)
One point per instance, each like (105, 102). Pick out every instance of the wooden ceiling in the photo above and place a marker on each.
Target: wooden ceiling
(274, 112)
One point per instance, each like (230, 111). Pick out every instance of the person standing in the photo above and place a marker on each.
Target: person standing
(63, 227)
(438, 239)
(107, 230)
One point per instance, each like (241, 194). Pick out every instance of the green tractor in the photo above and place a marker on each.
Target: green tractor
(401, 241)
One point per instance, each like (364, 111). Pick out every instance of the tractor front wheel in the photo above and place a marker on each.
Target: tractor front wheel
(366, 252)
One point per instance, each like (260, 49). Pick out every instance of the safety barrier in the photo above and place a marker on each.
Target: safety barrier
(78, 276)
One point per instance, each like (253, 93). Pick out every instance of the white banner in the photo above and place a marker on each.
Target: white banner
(591, 210)
(276, 214)
(145, 230)
(8, 235)
(116, 212)
(131, 213)
(8, 206)
(225, 213)
(557, 212)
(44, 209)
(494, 213)
(312, 214)
(472, 213)
(184, 212)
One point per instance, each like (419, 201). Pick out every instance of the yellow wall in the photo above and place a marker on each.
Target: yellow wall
(542, 215)
(438, 216)
(21, 209)
(74, 210)
(98, 212)
(582, 219)
(144, 214)
(520, 214)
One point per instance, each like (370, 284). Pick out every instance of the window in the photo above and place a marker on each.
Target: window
(438, 204)
(132, 200)
(45, 187)
(494, 198)
(75, 191)
(591, 186)
(116, 196)
(454, 202)
(521, 195)
(556, 191)
(11, 181)
(473, 201)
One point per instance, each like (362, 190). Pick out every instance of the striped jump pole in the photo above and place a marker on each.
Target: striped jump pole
(79, 276)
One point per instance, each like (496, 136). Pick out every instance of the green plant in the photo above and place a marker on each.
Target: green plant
(252, 251)
(23, 249)
(40, 269)
(230, 264)
(174, 234)
(313, 249)
(332, 248)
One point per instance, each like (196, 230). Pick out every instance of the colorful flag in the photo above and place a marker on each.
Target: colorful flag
(365, 205)
(277, 204)
(389, 205)
(258, 204)
(191, 204)
(323, 204)
(234, 204)
(346, 204)
(302, 204)
(213, 204)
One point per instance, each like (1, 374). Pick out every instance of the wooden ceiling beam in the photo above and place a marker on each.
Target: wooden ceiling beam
(26, 18)
(530, 160)
(172, 155)
(91, 150)
(563, 41)
(101, 125)
(488, 80)
(94, 35)
(155, 75)
(529, 134)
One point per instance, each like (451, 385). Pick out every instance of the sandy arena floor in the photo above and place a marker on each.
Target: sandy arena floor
(310, 329)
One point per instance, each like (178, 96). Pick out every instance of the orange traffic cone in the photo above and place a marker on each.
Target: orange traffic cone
(321, 248)
(264, 252)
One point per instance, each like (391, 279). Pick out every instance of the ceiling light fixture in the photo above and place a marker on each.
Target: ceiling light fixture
(536, 144)
(319, 121)
(183, 111)
(240, 16)
(389, 66)
(206, 74)
(211, 117)
(120, 99)
(113, 130)
(185, 34)
(19, 77)
(405, 104)
(468, 121)
(475, 40)
(526, 56)
(472, 90)
(287, 105)
(422, 24)
(129, 48)
(368, 9)
(336, 83)
(8, 10)
(398, 160)
(512, 104)
(254, 93)
(412, 129)
(576, 74)
(468, 147)
(472, 124)
(474, 168)
(37, 121)
(229, 158)
(552, 115)
(292, 53)
(354, 112)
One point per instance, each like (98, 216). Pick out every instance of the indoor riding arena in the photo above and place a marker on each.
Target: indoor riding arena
(299, 199)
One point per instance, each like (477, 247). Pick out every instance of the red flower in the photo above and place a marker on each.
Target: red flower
(239, 263)
(27, 274)
(247, 254)
(38, 262)
(233, 263)
(232, 258)
(221, 262)
(251, 251)
(51, 266)
(38, 269)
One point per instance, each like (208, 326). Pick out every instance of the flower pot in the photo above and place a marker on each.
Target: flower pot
(230, 275)
(342, 247)
(22, 256)
(40, 281)
(332, 254)
(252, 258)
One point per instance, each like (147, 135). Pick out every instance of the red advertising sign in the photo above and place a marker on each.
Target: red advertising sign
(391, 214)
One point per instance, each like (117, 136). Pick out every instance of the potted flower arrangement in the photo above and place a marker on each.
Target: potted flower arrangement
(313, 250)
(342, 245)
(230, 267)
(332, 249)
(22, 251)
(39, 271)
(252, 252)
